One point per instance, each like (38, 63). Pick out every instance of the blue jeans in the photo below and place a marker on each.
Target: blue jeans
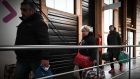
(23, 69)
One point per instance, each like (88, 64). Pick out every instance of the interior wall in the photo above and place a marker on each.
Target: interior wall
(65, 26)
(138, 27)
(8, 22)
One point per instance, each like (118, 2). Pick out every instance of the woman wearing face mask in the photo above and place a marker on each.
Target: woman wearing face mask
(113, 39)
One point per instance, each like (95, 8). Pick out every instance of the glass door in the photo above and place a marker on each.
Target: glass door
(130, 39)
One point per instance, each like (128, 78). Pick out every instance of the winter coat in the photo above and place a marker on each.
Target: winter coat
(89, 40)
(40, 72)
(32, 31)
(114, 39)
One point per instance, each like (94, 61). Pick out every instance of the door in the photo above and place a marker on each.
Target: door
(130, 39)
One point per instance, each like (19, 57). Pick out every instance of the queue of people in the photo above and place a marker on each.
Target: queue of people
(34, 31)
(113, 38)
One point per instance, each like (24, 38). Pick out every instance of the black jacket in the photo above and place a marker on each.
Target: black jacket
(89, 40)
(32, 31)
(114, 39)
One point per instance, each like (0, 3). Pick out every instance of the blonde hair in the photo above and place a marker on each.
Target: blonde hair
(86, 28)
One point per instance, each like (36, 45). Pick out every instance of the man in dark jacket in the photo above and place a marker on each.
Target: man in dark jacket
(113, 39)
(31, 31)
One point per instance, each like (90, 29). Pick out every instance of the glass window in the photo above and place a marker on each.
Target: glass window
(108, 16)
(70, 6)
(108, 20)
(108, 1)
(63, 5)
(105, 43)
(50, 3)
(60, 5)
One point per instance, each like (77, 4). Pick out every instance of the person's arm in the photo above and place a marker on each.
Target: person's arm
(92, 51)
(43, 39)
(108, 40)
(42, 33)
(119, 40)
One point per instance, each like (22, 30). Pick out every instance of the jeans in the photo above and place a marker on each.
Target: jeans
(24, 68)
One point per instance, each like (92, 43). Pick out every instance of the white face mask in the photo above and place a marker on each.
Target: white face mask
(46, 68)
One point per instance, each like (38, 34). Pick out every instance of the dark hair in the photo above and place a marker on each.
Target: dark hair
(31, 4)
(111, 26)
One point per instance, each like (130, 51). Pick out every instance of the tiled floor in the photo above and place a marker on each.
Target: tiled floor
(135, 72)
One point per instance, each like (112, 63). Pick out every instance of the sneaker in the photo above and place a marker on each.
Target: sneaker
(112, 71)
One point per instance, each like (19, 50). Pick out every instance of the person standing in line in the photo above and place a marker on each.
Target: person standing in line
(31, 31)
(88, 39)
(113, 38)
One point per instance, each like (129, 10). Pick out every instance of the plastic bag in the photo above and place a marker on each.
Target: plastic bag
(105, 56)
(92, 74)
(124, 57)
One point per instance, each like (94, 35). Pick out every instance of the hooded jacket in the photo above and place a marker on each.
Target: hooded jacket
(32, 31)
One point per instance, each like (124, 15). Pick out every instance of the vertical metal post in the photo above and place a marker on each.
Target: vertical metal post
(98, 63)
(129, 62)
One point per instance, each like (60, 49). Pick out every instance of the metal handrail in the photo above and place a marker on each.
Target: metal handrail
(127, 70)
(36, 47)
(44, 47)
(55, 75)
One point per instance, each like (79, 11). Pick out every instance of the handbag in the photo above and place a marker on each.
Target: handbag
(82, 60)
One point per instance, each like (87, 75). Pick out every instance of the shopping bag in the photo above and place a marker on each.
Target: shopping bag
(82, 60)
(105, 56)
(92, 74)
(124, 57)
